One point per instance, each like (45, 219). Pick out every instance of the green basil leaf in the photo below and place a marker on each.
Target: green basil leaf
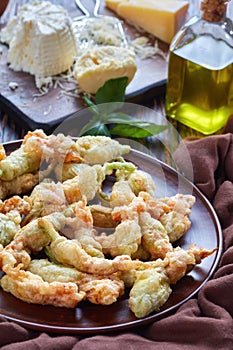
(138, 129)
(87, 100)
(92, 107)
(93, 123)
(112, 91)
(95, 129)
(105, 109)
(109, 98)
(119, 118)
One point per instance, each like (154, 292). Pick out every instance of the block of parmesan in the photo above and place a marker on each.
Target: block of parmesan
(161, 18)
(113, 4)
(99, 64)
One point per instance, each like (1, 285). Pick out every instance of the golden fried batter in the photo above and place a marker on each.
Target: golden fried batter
(127, 235)
(59, 218)
(98, 289)
(100, 149)
(155, 239)
(32, 289)
(9, 226)
(150, 291)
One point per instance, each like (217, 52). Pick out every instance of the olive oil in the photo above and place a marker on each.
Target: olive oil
(200, 97)
(200, 75)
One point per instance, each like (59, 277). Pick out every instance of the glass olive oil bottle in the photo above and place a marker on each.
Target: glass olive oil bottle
(200, 71)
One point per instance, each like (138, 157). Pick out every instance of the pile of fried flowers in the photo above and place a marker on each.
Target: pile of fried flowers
(95, 243)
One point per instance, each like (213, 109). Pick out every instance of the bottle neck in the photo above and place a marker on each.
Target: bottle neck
(213, 10)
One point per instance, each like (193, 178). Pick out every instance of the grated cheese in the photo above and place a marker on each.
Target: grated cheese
(97, 31)
(48, 111)
(13, 85)
(144, 49)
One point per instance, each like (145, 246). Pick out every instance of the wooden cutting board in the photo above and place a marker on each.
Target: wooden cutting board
(49, 110)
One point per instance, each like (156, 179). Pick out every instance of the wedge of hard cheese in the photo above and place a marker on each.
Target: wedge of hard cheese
(161, 18)
(113, 4)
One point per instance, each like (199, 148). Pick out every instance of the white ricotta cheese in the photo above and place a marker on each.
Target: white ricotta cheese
(41, 40)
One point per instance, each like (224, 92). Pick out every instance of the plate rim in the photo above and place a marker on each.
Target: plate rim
(154, 316)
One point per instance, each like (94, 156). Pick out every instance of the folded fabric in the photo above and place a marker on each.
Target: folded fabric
(204, 322)
(212, 159)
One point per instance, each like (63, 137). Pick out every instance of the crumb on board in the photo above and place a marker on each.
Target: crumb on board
(13, 85)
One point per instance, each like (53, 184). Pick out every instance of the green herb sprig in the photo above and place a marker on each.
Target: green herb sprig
(108, 122)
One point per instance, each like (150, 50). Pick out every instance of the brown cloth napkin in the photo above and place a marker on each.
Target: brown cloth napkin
(204, 322)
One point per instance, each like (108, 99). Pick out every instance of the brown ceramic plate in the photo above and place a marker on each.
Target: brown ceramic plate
(88, 318)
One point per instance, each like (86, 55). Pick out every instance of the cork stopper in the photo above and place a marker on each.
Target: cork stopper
(213, 10)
